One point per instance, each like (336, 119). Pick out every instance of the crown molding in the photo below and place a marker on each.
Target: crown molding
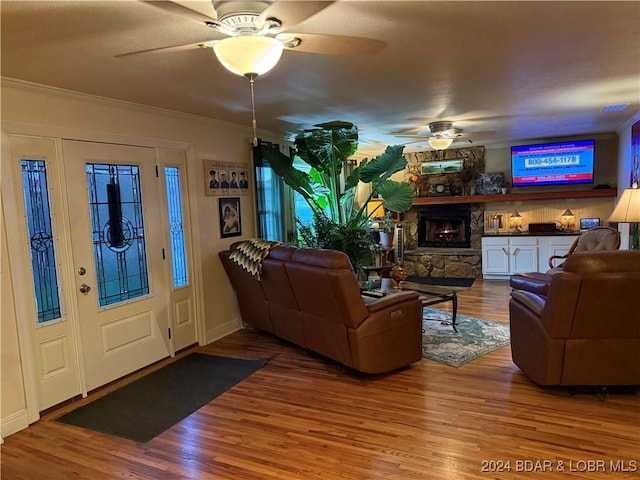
(630, 122)
(9, 82)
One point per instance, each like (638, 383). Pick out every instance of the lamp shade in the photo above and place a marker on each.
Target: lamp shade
(440, 143)
(627, 210)
(248, 55)
(375, 208)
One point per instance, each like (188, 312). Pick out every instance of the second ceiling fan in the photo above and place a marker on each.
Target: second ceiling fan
(442, 135)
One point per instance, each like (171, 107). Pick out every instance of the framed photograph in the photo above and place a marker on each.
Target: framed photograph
(224, 178)
(489, 183)
(496, 221)
(440, 167)
(230, 222)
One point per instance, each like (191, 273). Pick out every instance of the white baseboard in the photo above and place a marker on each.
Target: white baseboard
(14, 423)
(223, 330)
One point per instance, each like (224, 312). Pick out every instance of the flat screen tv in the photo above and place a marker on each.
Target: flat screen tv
(558, 163)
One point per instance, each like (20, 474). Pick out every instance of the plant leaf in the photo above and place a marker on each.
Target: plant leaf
(384, 165)
(328, 147)
(300, 181)
(396, 196)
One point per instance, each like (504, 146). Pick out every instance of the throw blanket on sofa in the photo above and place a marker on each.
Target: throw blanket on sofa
(250, 253)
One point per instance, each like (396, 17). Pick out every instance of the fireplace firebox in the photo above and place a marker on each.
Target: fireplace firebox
(444, 226)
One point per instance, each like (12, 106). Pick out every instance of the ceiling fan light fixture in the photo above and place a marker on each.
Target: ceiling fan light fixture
(440, 143)
(249, 54)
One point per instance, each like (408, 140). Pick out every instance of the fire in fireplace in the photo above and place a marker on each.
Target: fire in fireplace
(444, 226)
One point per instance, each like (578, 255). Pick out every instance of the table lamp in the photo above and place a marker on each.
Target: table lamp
(516, 222)
(627, 210)
(568, 220)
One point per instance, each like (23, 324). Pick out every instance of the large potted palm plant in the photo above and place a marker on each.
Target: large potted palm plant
(339, 222)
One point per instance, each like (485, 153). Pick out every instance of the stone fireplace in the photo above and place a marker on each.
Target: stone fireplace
(444, 226)
(450, 260)
(443, 238)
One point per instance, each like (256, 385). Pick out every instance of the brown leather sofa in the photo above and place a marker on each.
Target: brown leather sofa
(581, 325)
(311, 298)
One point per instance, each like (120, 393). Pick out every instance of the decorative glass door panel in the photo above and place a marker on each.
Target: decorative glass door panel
(40, 230)
(117, 224)
(179, 267)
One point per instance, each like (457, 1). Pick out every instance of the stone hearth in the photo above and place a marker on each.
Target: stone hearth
(444, 262)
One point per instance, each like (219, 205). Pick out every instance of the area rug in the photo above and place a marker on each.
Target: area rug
(475, 337)
(444, 281)
(147, 407)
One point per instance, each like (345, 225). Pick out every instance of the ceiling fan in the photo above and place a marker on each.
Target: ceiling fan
(442, 135)
(261, 28)
(248, 37)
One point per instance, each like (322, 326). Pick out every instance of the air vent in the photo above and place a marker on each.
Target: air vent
(614, 108)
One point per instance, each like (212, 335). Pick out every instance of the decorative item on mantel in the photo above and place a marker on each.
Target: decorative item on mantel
(489, 183)
(414, 180)
(418, 163)
(468, 177)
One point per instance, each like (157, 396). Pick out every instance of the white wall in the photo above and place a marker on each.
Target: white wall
(41, 111)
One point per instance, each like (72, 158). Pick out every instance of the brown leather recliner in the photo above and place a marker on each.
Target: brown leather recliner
(592, 240)
(580, 326)
(311, 298)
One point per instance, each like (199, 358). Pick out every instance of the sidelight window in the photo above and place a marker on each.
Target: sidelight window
(41, 239)
(176, 227)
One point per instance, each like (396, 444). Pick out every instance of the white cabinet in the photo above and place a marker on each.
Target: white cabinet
(505, 255)
(557, 245)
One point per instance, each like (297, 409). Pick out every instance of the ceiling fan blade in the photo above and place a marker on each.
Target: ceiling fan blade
(291, 13)
(334, 44)
(175, 48)
(195, 10)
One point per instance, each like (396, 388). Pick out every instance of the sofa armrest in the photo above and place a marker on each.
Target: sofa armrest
(533, 282)
(533, 302)
(377, 304)
(556, 257)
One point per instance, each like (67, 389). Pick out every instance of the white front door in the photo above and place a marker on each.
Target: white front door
(117, 248)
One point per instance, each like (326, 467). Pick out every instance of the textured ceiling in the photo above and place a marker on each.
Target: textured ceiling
(505, 72)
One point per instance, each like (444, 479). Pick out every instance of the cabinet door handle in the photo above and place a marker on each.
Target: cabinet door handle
(515, 252)
(506, 251)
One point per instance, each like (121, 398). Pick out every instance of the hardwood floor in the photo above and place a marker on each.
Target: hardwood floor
(302, 417)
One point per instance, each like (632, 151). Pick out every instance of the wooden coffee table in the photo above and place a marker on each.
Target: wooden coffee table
(434, 294)
(429, 295)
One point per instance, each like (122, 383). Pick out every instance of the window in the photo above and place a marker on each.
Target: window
(115, 205)
(43, 258)
(176, 227)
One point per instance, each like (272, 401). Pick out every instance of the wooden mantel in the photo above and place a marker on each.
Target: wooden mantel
(516, 197)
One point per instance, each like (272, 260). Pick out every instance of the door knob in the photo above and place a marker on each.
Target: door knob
(84, 288)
